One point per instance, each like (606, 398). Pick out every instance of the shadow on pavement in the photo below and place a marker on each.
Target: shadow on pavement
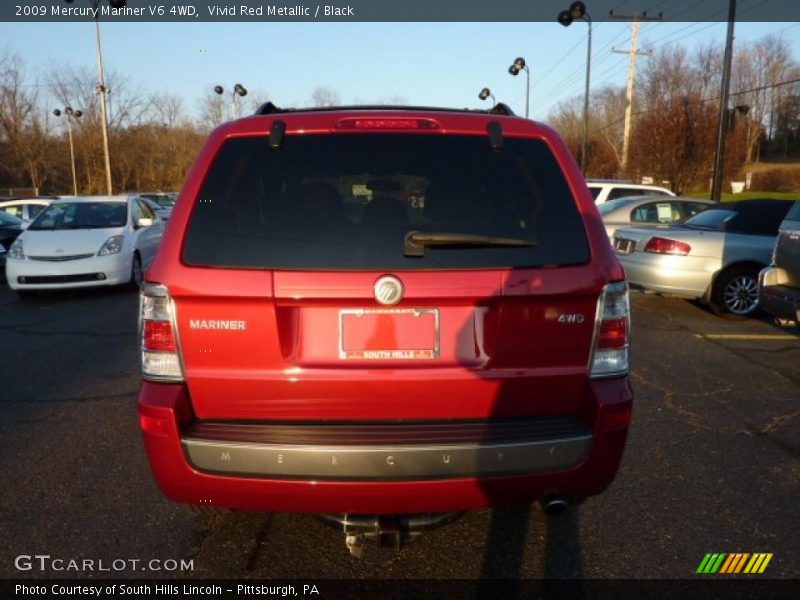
(508, 543)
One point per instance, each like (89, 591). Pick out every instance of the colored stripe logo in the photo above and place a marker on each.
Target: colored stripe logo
(734, 563)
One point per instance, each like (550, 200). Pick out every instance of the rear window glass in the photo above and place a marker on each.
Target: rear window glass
(347, 201)
(622, 192)
(612, 205)
(714, 218)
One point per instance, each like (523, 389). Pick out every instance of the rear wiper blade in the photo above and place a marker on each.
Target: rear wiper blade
(416, 242)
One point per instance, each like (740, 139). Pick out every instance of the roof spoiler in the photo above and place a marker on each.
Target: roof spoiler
(268, 108)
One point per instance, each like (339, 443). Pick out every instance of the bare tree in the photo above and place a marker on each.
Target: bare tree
(166, 109)
(390, 100)
(255, 98)
(23, 127)
(325, 96)
(758, 67)
(213, 110)
(605, 129)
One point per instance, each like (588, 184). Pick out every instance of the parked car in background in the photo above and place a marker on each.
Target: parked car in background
(714, 256)
(164, 200)
(648, 210)
(26, 209)
(10, 228)
(362, 298)
(779, 283)
(85, 241)
(161, 211)
(604, 190)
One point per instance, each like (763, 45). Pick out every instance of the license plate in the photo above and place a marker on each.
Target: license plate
(624, 246)
(389, 334)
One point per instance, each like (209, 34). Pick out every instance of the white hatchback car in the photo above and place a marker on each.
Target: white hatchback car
(83, 242)
(604, 190)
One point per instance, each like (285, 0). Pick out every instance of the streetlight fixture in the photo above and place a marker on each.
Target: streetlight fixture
(238, 90)
(101, 86)
(577, 12)
(487, 93)
(514, 69)
(71, 114)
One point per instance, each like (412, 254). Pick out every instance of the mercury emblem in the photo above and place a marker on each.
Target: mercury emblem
(388, 290)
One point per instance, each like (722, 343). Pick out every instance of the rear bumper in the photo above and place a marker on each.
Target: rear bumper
(777, 299)
(578, 466)
(684, 276)
(376, 452)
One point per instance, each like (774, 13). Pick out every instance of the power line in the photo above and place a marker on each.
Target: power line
(704, 100)
(564, 57)
(672, 6)
(560, 83)
(568, 83)
(570, 80)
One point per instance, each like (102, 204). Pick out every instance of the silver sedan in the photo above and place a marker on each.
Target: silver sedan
(714, 256)
(648, 211)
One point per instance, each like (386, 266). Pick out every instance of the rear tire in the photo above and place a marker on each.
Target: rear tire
(136, 273)
(735, 293)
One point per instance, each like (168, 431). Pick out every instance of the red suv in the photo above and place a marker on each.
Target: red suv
(385, 316)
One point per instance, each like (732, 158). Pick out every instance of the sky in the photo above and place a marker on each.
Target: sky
(436, 64)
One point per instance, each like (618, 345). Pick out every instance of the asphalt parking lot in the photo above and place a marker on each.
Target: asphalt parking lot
(712, 463)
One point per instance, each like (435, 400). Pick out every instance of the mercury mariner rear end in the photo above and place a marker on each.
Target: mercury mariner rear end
(384, 312)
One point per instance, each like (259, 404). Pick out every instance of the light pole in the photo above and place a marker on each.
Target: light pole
(577, 10)
(487, 93)
(722, 129)
(70, 114)
(514, 69)
(101, 86)
(238, 90)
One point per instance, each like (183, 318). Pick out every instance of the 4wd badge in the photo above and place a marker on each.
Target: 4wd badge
(576, 318)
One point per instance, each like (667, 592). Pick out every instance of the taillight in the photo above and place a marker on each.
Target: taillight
(659, 245)
(157, 336)
(612, 332)
(158, 331)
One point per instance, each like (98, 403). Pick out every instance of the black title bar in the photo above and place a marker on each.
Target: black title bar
(390, 10)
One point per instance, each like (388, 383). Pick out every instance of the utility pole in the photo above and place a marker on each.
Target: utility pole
(634, 52)
(101, 89)
(719, 156)
(72, 157)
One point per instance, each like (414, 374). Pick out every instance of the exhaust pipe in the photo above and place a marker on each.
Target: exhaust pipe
(555, 505)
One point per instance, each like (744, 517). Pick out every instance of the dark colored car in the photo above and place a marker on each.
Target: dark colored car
(10, 228)
(779, 283)
(393, 313)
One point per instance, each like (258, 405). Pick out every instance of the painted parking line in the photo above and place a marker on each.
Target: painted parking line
(747, 336)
